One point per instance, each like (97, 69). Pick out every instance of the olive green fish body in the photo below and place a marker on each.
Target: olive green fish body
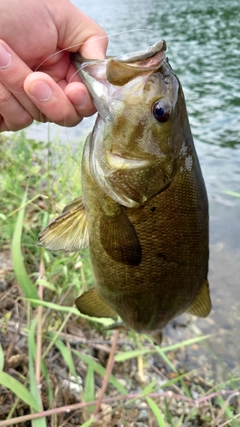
(172, 229)
(144, 208)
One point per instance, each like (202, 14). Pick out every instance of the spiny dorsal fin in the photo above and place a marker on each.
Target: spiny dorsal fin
(90, 304)
(119, 238)
(202, 304)
(68, 232)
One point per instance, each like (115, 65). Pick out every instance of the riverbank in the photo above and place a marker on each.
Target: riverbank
(190, 384)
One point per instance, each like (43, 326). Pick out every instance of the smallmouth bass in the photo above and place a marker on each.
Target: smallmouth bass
(144, 209)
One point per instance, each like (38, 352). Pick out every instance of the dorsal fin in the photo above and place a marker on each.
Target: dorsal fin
(69, 231)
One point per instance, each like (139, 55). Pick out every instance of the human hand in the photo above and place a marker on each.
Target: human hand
(32, 33)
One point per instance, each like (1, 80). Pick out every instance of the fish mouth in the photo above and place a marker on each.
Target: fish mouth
(135, 59)
(104, 78)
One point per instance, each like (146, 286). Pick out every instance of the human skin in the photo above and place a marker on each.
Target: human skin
(37, 82)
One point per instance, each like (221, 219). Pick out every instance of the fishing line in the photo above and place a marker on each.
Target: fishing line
(83, 43)
(92, 41)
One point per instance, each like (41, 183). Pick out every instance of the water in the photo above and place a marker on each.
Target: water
(203, 49)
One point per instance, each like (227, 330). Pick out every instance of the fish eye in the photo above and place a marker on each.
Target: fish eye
(161, 111)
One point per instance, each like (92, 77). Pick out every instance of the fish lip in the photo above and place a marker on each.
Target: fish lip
(144, 61)
(157, 47)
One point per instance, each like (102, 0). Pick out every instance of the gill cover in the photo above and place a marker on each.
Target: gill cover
(130, 150)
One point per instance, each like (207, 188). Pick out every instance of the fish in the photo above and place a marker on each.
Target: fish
(143, 212)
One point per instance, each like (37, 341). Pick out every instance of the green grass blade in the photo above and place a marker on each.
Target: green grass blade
(40, 422)
(44, 372)
(166, 359)
(168, 412)
(149, 388)
(71, 310)
(1, 358)
(156, 411)
(176, 379)
(88, 423)
(185, 343)
(66, 354)
(16, 387)
(232, 193)
(226, 408)
(180, 422)
(101, 371)
(89, 388)
(24, 281)
(122, 356)
(48, 382)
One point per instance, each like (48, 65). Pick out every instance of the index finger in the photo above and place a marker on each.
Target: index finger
(81, 33)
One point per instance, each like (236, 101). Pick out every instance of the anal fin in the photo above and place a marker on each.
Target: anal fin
(202, 304)
(90, 304)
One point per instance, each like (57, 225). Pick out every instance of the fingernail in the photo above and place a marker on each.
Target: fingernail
(5, 57)
(41, 90)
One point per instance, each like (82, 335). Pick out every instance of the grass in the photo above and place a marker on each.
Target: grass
(53, 360)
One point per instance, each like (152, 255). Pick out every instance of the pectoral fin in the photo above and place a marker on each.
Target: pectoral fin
(202, 304)
(69, 231)
(119, 238)
(90, 304)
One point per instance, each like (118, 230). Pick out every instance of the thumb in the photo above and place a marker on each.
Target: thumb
(77, 32)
